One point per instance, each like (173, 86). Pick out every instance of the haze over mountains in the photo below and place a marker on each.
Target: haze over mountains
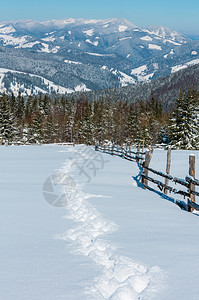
(63, 56)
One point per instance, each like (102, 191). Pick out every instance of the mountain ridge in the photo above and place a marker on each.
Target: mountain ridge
(94, 54)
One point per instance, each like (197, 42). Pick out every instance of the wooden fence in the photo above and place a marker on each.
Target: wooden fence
(143, 159)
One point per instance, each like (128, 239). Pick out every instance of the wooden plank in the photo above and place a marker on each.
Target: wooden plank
(174, 179)
(146, 165)
(162, 185)
(167, 168)
(192, 174)
(190, 179)
(193, 205)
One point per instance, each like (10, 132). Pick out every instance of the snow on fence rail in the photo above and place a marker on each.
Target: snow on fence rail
(143, 159)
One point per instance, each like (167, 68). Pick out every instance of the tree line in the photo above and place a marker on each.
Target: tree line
(48, 119)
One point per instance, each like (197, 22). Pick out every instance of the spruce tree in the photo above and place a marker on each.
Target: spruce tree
(183, 128)
(7, 129)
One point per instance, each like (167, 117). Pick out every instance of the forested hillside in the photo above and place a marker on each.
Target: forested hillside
(166, 89)
(47, 119)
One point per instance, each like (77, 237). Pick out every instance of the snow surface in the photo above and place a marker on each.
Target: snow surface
(49, 39)
(47, 50)
(172, 42)
(89, 32)
(28, 45)
(7, 29)
(125, 38)
(155, 47)
(72, 62)
(181, 67)
(92, 21)
(146, 38)
(95, 43)
(141, 73)
(123, 77)
(81, 88)
(13, 41)
(116, 241)
(164, 32)
(98, 54)
(156, 66)
(122, 28)
(126, 79)
(58, 24)
(104, 68)
(140, 70)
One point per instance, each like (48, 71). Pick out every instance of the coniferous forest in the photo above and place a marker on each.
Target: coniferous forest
(62, 119)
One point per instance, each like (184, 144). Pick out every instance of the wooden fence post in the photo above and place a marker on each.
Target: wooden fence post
(142, 155)
(122, 149)
(130, 149)
(192, 174)
(137, 156)
(146, 164)
(112, 149)
(167, 168)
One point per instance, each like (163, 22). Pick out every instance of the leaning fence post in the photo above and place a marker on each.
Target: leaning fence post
(167, 168)
(192, 174)
(146, 164)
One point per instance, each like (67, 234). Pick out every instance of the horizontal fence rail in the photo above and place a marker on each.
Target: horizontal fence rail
(143, 159)
(122, 152)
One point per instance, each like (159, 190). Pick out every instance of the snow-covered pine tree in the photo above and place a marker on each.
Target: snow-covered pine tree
(7, 129)
(98, 118)
(183, 129)
(35, 131)
(132, 124)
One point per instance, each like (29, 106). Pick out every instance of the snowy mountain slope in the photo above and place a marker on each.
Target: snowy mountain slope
(106, 53)
(54, 69)
(177, 58)
(166, 89)
(168, 34)
(105, 36)
(12, 81)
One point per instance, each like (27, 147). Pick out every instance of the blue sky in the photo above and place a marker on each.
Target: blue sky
(179, 15)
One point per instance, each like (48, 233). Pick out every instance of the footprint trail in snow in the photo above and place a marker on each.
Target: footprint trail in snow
(121, 278)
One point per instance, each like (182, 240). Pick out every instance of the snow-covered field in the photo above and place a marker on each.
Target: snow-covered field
(112, 240)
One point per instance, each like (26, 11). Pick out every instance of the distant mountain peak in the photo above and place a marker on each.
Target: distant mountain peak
(168, 33)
